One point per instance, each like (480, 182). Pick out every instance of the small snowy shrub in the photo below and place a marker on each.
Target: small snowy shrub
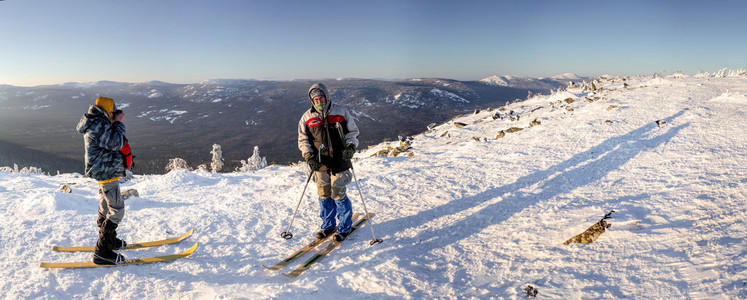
(176, 164)
(25, 170)
(678, 75)
(32, 170)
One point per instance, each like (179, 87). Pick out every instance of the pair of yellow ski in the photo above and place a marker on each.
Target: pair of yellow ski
(136, 261)
(319, 255)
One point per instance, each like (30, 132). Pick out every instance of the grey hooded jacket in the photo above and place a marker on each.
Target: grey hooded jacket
(318, 133)
(103, 140)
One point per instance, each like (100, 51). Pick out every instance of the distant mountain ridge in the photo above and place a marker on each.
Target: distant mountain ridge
(569, 76)
(544, 83)
(166, 120)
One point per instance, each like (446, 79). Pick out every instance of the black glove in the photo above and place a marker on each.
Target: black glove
(314, 164)
(349, 151)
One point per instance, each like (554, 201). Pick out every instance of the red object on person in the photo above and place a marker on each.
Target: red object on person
(127, 153)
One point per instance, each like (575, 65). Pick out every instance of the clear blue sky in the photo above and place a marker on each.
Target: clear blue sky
(185, 41)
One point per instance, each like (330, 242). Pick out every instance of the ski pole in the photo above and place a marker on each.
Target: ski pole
(360, 192)
(375, 240)
(287, 234)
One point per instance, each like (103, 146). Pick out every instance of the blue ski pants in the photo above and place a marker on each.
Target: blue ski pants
(332, 210)
(333, 202)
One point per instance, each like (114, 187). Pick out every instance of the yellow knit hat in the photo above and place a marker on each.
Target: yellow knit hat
(107, 104)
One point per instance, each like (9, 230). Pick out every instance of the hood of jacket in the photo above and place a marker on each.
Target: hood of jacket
(326, 95)
(94, 114)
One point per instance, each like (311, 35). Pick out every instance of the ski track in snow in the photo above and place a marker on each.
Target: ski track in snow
(460, 219)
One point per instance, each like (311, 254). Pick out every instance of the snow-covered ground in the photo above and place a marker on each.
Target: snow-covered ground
(467, 216)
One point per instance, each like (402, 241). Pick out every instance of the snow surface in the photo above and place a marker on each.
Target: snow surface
(461, 218)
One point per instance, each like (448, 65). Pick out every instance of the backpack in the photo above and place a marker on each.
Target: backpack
(127, 154)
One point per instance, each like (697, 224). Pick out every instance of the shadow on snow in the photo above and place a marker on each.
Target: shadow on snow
(580, 170)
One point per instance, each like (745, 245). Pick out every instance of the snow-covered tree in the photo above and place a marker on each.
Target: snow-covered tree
(725, 72)
(721, 73)
(255, 162)
(217, 163)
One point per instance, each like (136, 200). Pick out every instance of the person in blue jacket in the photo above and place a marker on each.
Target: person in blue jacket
(104, 137)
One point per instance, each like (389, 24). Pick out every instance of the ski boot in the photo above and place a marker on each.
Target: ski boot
(341, 236)
(325, 233)
(112, 258)
(104, 254)
(117, 242)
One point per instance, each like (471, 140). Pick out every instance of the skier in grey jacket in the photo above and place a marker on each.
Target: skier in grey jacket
(328, 153)
(104, 136)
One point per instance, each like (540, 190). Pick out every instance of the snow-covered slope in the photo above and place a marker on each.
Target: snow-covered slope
(466, 216)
